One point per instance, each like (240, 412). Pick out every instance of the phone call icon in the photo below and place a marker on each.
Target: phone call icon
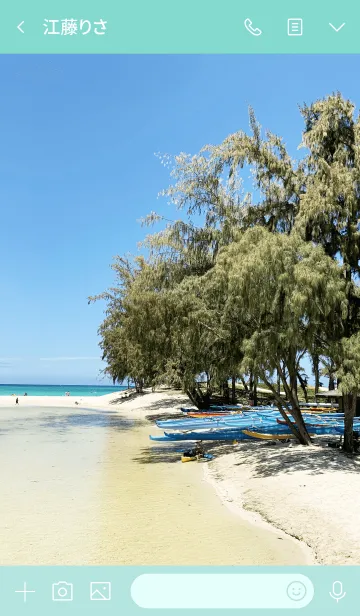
(254, 31)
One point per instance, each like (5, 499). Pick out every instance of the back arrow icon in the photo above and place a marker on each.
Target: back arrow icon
(19, 27)
(337, 29)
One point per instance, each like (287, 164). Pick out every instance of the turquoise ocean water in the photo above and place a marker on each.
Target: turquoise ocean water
(58, 390)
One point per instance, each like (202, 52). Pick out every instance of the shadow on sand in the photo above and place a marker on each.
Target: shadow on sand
(160, 454)
(163, 416)
(269, 459)
(128, 397)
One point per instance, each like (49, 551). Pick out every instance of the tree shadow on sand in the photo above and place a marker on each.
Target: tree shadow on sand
(167, 452)
(164, 416)
(126, 398)
(160, 454)
(171, 403)
(267, 459)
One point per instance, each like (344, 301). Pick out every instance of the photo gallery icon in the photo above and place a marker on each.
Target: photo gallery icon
(100, 591)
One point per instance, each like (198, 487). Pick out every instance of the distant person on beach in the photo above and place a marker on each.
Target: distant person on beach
(25, 394)
(17, 401)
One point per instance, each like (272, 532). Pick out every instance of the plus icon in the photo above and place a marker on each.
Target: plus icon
(25, 592)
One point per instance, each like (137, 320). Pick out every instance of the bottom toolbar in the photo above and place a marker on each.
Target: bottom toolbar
(133, 590)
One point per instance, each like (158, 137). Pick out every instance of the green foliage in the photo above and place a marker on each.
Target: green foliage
(349, 364)
(248, 282)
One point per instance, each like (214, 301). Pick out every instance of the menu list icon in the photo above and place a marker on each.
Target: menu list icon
(295, 26)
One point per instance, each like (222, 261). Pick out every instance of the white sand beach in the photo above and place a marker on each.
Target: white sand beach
(83, 484)
(312, 493)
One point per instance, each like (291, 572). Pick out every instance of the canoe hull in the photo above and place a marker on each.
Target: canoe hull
(266, 436)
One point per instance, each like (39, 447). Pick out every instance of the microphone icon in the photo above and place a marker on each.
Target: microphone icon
(337, 592)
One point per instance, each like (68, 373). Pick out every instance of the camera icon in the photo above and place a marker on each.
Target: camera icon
(62, 591)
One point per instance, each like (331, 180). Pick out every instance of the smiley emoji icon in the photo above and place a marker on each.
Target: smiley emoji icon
(296, 591)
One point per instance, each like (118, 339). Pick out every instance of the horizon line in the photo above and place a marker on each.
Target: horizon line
(56, 385)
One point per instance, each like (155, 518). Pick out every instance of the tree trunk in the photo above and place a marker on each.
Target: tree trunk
(233, 390)
(251, 386)
(300, 425)
(253, 390)
(208, 384)
(242, 379)
(278, 383)
(315, 362)
(303, 386)
(226, 391)
(349, 403)
(296, 413)
(298, 428)
(200, 400)
(331, 373)
(293, 382)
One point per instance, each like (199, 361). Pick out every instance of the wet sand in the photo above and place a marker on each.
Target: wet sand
(86, 487)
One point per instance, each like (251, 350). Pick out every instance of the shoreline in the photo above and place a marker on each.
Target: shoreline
(101, 476)
(223, 491)
(309, 493)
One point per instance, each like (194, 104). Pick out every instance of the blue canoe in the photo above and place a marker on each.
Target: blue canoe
(200, 436)
(235, 434)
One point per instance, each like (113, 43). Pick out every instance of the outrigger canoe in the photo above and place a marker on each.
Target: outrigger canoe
(282, 422)
(217, 435)
(318, 409)
(202, 415)
(270, 437)
(265, 436)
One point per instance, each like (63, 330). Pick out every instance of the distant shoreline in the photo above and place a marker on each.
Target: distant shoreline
(62, 385)
(20, 389)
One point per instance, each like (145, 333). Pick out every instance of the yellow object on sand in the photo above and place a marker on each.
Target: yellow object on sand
(189, 458)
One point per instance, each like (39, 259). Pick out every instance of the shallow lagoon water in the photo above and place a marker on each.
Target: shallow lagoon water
(86, 487)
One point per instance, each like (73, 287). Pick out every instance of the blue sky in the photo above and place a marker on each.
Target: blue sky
(77, 169)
